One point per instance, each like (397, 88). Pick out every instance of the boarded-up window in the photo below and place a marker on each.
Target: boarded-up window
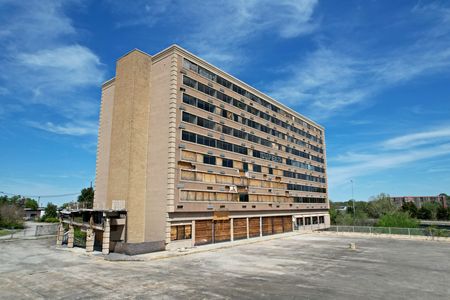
(199, 177)
(199, 196)
(253, 198)
(180, 232)
(187, 175)
(221, 197)
(254, 182)
(187, 155)
(265, 184)
(209, 178)
(191, 196)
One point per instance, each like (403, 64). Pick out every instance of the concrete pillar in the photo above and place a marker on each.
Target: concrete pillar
(60, 234)
(248, 229)
(106, 237)
(70, 237)
(193, 233)
(232, 229)
(90, 236)
(260, 226)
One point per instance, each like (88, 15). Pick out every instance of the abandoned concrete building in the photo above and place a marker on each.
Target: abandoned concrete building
(189, 155)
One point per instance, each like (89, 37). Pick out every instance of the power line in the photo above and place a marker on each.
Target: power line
(40, 196)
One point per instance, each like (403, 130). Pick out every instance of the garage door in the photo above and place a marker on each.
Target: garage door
(253, 224)
(240, 228)
(222, 231)
(287, 223)
(203, 232)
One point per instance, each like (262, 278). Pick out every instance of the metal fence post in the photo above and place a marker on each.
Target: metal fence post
(389, 230)
(409, 232)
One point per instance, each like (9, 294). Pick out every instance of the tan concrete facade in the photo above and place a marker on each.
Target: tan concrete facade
(182, 158)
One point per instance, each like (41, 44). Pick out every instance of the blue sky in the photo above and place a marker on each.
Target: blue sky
(376, 74)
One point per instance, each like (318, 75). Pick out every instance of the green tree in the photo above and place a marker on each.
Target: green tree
(442, 213)
(433, 208)
(51, 211)
(380, 205)
(87, 197)
(31, 203)
(411, 208)
(424, 213)
(398, 219)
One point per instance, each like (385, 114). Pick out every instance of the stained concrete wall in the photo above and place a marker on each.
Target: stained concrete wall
(103, 147)
(129, 140)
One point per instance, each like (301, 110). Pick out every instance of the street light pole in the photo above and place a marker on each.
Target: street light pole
(353, 199)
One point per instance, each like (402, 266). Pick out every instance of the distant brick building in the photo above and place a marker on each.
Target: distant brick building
(419, 200)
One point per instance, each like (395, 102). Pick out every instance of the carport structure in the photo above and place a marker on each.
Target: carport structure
(104, 228)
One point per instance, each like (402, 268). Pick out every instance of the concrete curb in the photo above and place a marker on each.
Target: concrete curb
(387, 236)
(28, 238)
(117, 257)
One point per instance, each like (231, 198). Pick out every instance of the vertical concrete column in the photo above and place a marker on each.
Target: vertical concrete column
(106, 236)
(231, 229)
(260, 226)
(60, 234)
(90, 235)
(193, 233)
(248, 229)
(70, 237)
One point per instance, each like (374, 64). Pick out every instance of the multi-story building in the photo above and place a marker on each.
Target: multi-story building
(420, 200)
(193, 155)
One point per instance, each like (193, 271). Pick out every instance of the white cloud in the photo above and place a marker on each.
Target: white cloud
(49, 73)
(389, 154)
(418, 139)
(381, 161)
(62, 68)
(74, 129)
(218, 31)
(337, 75)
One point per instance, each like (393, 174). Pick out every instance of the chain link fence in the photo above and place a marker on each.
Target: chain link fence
(429, 231)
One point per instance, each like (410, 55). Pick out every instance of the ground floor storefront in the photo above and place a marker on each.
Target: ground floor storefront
(225, 227)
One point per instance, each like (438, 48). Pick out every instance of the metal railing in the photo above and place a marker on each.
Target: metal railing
(430, 231)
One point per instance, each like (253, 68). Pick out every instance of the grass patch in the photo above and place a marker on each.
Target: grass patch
(6, 232)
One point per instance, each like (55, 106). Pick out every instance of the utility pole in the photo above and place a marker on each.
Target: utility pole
(353, 199)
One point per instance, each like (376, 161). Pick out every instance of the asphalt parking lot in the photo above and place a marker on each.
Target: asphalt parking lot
(308, 266)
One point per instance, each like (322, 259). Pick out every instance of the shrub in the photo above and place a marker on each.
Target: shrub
(398, 219)
(11, 216)
(49, 219)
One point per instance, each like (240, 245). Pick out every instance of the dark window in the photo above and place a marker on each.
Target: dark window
(189, 99)
(187, 117)
(188, 136)
(224, 145)
(271, 171)
(243, 197)
(210, 160)
(245, 166)
(256, 168)
(227, 163)
(189, 82)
